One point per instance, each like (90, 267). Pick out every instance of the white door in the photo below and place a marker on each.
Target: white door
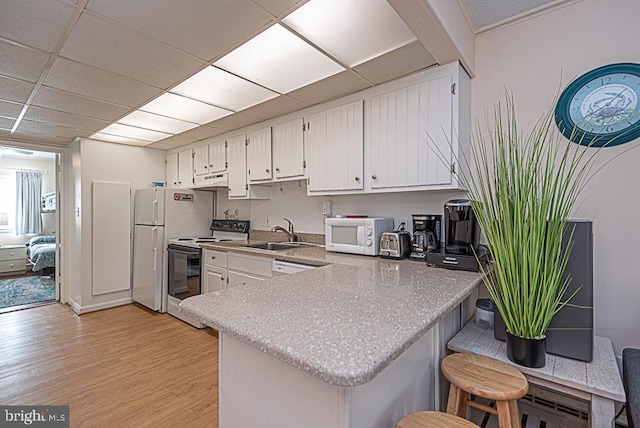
(218, 156)
(259, 155)
(214, 279)
(172, 170)
(148, 271)
(288, 149)
(185, 168)
(201, 160)
(237, 166)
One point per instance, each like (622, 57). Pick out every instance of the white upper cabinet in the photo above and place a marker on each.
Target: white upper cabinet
(288, 149)
(237, 166)
(201, 160)
(334, 143)
(172, 170)
(218, 156)
(414, 134)
(185, 168)
(259, 155)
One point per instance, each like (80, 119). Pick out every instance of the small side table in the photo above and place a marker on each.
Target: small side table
(597, 382)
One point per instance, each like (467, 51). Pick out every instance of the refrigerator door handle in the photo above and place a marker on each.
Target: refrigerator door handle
(154, 216)
(154, 248)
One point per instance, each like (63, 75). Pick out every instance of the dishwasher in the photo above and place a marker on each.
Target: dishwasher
(287, 268)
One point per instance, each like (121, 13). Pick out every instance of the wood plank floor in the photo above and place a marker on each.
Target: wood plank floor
(121, 367)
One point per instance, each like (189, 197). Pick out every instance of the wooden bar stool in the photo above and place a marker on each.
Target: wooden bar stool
(487, 378)
(434, 420)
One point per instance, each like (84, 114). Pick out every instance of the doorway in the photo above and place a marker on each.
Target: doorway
(30, 184)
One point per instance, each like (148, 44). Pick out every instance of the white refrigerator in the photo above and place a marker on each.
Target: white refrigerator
(161, 214)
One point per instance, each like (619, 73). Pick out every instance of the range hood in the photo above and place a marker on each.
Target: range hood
(213, 180)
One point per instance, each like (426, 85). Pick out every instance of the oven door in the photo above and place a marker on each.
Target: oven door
(184, 271)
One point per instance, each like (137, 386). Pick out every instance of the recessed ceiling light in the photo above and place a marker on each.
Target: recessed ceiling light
(371, 27)
(217, 87)
(179, 107)
(132, 132)
(279, 60)
(118, 139)
(142, 119)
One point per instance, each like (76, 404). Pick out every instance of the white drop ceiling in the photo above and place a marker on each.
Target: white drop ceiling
(165, 74)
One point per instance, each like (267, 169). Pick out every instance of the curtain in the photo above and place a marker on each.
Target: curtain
(28, 196)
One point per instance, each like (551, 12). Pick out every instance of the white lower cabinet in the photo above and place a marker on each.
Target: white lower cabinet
(244, 269)
(214, 271)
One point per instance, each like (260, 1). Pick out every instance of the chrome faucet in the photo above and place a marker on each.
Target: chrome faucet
(290, 233)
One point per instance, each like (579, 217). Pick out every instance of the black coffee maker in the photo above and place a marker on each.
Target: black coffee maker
(461, 238)
(462, 234)
(426, 234)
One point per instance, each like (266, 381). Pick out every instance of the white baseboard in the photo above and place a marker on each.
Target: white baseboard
(78, 309)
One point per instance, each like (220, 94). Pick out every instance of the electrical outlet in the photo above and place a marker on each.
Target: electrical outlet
(266, 222)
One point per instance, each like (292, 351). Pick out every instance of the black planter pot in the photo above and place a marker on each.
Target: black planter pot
(527, 352)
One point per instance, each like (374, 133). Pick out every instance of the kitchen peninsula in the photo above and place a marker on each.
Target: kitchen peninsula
(354, 343)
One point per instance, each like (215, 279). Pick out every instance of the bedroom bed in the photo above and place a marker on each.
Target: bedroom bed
(41, 251)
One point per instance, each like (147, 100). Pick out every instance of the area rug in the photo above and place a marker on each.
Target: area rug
(26, 290)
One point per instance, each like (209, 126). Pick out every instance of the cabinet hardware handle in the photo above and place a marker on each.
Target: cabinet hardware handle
(222, 278)
(277, 169)
(357, 178)
(267, 169)
(210, 165)
(213, 257)
(206, 166)
(374, 176)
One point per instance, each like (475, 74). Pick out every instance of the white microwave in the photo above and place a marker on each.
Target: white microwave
(355, 235)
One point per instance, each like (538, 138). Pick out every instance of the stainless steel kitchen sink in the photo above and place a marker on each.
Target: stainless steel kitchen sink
(279, 246)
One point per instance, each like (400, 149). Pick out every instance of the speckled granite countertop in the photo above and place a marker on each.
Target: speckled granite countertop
(343, 322)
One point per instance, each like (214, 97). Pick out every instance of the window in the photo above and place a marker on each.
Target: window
(7, 201)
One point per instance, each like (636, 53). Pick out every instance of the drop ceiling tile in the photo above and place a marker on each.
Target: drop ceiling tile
(353, 31)
(184, 108)
(51, 130)
(6, 123)
(5, 133)
(234, 121)
(56, 99)
(156, 122)
(81, 79)
(10, 109)
(330, 88)
(203, 28)
(40, 138)
(176, 141)
(109, 47)
(278, 7)
(118, 139)
(39, 114)
(275, 107)
(397, 63)
(159, 146)
(25, 63)
(14, 89)
(122, 130)
(202, 132)
(37, 23)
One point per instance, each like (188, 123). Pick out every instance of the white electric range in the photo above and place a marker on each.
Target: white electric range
(184, 267)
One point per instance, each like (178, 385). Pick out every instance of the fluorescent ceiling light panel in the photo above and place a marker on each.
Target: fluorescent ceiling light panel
(183, 108)
(142, 119)
(217, 87)
(279, 60)
(132, 132)
(117, 139)
(353, 31)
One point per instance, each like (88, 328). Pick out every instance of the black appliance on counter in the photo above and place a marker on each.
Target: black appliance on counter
(426, 234)
(461, 238)
(570, 333)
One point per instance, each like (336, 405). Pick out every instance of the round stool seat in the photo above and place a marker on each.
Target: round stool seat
(485, 377)
(434, 420)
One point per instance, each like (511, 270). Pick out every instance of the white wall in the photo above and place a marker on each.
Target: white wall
(100, 161)
(48, 185)
(534, 58)
(306, 211)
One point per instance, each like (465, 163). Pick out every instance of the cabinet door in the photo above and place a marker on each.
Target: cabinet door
(172, 170)
(214, 279)
(259, 155)
(218, 156)
(201, 160)
(185, 168)
(288, 149)
(334, 149)
(410, 138)
(237, 166)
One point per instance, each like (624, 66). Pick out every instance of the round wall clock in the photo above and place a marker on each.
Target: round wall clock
(601, 107)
